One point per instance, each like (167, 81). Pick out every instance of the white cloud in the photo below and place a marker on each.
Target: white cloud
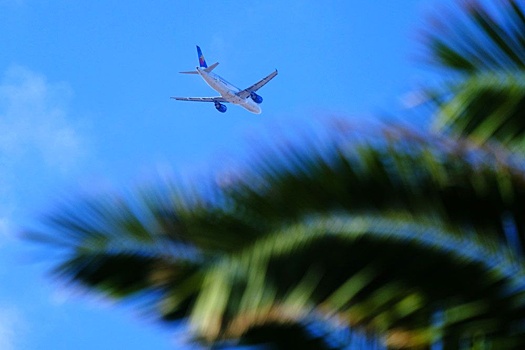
(11, 329)
(34, 120)
(40, 139)
(5, 229)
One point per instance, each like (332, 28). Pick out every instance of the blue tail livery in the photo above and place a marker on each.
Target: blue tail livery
(202, 61)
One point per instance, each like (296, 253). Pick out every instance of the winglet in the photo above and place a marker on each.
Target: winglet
(202, 61)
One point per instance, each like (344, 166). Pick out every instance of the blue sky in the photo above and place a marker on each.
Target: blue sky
(84, 106)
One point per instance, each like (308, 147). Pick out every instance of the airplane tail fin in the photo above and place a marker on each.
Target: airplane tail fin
(202, 63)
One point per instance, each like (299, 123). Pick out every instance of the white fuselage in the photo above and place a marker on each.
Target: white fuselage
(228, 91)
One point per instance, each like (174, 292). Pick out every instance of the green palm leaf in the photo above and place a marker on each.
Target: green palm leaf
(475, 37)
(383, 275)
(487, 108)
(255, 252)
(486, 45)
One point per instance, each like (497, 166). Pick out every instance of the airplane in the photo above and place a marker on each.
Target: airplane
(246, 98)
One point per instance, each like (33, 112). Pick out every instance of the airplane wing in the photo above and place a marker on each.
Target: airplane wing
(201, 99)
(246, 92)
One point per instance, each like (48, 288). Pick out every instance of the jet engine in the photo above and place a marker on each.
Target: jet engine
(220, 107)
(256, 98)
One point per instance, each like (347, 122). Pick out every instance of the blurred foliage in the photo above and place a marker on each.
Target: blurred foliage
(481, 48)
(478, 36)
(406, 238)
(381, 236)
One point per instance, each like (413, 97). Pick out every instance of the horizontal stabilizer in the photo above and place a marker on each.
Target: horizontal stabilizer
(210, 68)
(207, 70)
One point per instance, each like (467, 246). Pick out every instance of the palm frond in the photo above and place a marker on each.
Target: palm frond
(487, 108)
(380, 275)
(421, 174)
(256, 252)
(477, 38)
(485, 44)
(409, 237)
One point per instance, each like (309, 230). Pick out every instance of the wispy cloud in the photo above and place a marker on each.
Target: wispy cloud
(11, 329)
(7, 335)
(39, 136)
(34, 119)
